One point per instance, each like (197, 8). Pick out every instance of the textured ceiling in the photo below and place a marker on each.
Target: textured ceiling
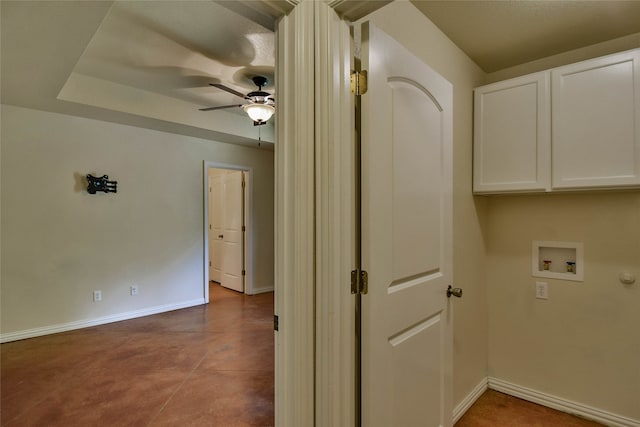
(149, 63)
(131, 61)
(176, 49)
(501, 34)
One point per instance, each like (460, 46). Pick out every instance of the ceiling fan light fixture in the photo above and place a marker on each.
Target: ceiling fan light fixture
(259, 112)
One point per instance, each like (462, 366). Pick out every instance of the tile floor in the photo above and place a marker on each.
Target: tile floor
(201, 366)
(494, 409)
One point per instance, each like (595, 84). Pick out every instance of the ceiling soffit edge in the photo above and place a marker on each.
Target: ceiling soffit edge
(353, 10)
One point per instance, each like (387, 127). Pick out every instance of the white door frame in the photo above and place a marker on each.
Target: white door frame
(315, 174)
(248, 220)
(314, 212)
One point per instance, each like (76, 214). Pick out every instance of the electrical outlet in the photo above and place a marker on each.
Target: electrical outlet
(134, 290)
(542, 291)
(97, 296)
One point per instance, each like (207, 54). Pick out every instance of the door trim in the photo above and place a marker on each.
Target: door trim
(295, 223)
(315, 220)
(335, 164)
(248, 220)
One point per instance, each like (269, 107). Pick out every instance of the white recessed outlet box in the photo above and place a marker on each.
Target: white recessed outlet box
(97, 296)
(134, 290)
(557, 260)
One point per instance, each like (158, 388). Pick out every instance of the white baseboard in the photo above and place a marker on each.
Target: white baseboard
(466, 403)
(584, 411)
(63, 327)
(261, 291)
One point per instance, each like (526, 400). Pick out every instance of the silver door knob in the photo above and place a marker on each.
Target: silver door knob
(456, 292)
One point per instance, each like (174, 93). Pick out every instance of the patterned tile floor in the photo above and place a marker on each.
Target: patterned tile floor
(201, 366)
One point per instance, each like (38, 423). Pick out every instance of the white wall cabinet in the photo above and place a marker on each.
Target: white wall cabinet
(574, 127)
(596, 122)
(512, 135)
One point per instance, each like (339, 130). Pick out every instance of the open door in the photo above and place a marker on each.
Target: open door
(233, 231)
(406, 238)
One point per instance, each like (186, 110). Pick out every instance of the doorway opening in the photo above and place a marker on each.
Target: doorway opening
(228, 230)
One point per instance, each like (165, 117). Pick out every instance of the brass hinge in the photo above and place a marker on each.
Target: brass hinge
(243, 228)
(275, 322)
(209, 226)
(359, 282)
(243, 272)
(359, 82)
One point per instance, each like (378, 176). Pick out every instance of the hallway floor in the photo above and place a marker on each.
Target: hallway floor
(494, 409)
(200, 366)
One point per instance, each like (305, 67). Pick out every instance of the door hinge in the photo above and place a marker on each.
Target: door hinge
(243, 184)
(209, 226)
(359, 282)
(243, 272)
(209, 263)
(359, 82)
(275, 323)
(243, 228)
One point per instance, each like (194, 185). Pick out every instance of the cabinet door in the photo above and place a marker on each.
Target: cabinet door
(512, 135)
(596, 122)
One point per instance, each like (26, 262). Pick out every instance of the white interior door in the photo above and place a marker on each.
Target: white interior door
(233, 240)
(406, 238)
(210, 222)
(216, 205)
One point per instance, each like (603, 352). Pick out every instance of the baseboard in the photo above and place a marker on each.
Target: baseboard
(63, 327)
(584, 411)
(466, 403)
(261, 291)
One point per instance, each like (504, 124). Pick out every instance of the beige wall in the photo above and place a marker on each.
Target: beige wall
(631, 41)
(406, 24)
(583, 343)
(59, 243)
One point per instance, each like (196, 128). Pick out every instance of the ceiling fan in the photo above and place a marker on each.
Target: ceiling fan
(260, 106)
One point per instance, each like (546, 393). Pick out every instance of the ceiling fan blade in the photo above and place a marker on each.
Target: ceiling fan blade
(220, 107)
(228, 89)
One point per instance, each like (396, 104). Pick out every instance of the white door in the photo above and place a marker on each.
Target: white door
(210, 223)
(216, 234)
(406, 238)
(233, 240)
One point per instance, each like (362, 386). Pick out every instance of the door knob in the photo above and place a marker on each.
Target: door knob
(456, 292)
(220, 236)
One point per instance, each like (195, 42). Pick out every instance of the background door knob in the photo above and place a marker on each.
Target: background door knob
(220, 236)
(456, 292)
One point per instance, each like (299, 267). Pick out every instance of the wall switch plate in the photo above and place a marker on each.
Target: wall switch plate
(97, 296)
(542, 290)
(134, 290)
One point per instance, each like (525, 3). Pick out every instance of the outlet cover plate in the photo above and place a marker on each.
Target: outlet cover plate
(542, 290)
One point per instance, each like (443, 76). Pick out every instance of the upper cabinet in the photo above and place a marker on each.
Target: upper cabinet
(512, 135)
(569, 128)
(596, 122)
